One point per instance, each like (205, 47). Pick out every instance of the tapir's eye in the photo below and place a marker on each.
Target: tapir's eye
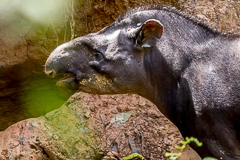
(98, 56)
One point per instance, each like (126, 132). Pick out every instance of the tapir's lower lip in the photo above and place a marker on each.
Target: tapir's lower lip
(68, 80)
(70, 83)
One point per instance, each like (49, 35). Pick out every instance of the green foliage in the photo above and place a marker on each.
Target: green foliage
(181, 148)
(35, 11)
(173, 155)
(133, 156)
(209, 158)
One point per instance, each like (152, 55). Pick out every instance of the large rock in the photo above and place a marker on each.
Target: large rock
(93, 127)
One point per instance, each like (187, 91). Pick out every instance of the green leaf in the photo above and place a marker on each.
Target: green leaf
(180, 147)
(133, 156)
(209, 158)
(173, 155)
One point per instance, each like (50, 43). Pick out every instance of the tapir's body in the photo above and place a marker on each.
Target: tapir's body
(191, 72)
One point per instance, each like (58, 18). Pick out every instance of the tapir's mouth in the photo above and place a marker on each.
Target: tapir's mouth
(68, 80)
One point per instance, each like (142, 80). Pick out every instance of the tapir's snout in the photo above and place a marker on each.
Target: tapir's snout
(55, 62)
(63, 62)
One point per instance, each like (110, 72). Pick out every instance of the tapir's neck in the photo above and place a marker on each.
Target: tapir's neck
(168, 91)
(164, 84)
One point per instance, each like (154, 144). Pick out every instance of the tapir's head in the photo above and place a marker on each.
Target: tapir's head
(107, 62)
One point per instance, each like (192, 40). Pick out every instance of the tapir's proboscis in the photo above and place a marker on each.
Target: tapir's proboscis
(188, 70)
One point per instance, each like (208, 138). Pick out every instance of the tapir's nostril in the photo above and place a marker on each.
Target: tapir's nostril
(51, 73)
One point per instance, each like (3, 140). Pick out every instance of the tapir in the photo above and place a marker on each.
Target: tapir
(190, 71)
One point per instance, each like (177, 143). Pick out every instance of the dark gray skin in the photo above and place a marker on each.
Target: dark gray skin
(190, 71)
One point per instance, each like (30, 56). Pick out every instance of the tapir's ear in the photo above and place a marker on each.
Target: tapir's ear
(151, 30)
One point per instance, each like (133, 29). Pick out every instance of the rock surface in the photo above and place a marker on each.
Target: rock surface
(85, 128)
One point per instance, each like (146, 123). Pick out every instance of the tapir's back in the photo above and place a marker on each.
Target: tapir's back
(214, 74)
(214, 82)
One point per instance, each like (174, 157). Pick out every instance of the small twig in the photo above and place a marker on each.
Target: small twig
(20, 142)
(141, 141)
(114, 139)
(94, 27)
(72, 22)
(109, 125)
(66, 7)
(105, 4)
(86, 20)
(116, 156)
(67, 12)
(14, 146)
(124, 147)
(65, 29)
(55, 32)
(103, 122)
